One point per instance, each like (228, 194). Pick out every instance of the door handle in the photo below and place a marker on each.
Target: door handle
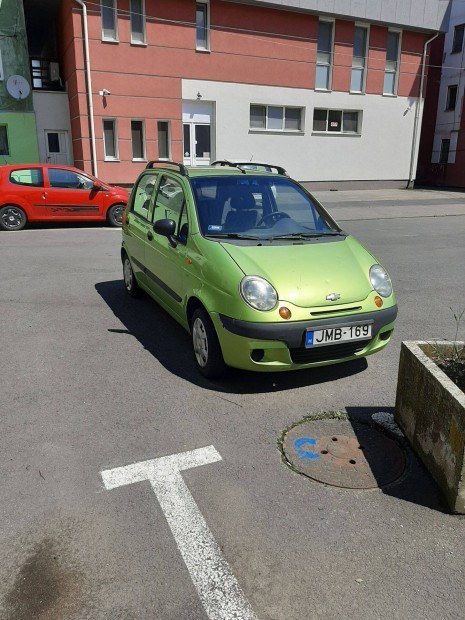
(149, 236)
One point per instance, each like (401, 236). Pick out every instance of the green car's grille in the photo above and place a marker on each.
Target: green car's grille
(325, 354)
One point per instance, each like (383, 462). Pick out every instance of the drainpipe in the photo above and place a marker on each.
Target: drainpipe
(411, 178)
(89, 87)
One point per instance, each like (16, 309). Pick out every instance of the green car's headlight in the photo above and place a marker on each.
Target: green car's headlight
(380, 281)
(258, 293)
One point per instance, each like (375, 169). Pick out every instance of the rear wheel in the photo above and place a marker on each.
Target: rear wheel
(206, 345)
(12, 218)
(130, 282)
(115, 215)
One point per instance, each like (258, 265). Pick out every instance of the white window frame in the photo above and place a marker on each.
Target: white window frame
(162, 120)
(326, 132)
(113, 39)
(143, 144)
(202, 48)
(397, 71)
(114, 157)
(330, 64)
(283, 128)
(131, 13)
(365, 60)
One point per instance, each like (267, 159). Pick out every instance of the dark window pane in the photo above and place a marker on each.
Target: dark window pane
(164, 139)
(360, 39)
(458, 39)
(451, 98)
(109, 19)
(137, 21)
(137, 134)
(53, 143)
(257, 117)
(325, 30)
(4, 148)
(201, 25)
(319, 120)
(293, 119)
(334, 120)
(444, 156)
(202, 139)
(392, 47)
(109, 138)
(350, 122)
(275, 117)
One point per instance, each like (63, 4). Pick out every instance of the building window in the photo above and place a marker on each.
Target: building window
(202, 26)
(337, 121)
(392, 63)
(109, 139)
(276, 118)
(457, 43)
(357, 81)
(324, 55)
(137, 9)
(109, 30)
(137, 136)
(164, 140)
(451, 97)
(444, 155)
(4, 148)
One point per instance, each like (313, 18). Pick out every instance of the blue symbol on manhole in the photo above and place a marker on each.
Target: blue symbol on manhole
(305, 455)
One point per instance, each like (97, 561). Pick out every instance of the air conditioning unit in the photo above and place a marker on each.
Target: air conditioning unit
(54, 72)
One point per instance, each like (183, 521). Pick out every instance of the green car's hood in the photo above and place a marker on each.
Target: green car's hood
(305, 274)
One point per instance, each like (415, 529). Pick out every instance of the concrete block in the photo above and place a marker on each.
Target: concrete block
(430, 409)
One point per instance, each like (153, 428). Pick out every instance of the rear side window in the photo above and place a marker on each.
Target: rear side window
(27, 176)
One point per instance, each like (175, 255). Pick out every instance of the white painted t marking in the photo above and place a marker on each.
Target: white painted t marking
(213, 579)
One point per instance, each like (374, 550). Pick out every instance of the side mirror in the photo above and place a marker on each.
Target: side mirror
(166, 228)
(96, 187)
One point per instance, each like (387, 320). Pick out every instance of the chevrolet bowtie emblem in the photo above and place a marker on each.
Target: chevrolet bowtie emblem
(333, 297)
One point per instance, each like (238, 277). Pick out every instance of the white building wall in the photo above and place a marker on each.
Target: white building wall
(52, 114)
(382, 151)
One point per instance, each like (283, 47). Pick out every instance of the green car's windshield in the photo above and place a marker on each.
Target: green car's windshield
(258, 207)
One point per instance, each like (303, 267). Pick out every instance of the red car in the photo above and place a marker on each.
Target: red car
(42, 192)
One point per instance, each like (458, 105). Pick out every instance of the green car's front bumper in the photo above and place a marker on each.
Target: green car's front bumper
(281, 346)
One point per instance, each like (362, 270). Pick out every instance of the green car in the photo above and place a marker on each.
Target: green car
(254, 268)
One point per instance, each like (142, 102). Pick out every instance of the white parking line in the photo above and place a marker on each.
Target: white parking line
(213, 579)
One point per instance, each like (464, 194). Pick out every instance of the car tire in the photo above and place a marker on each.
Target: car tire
(12, 218)
(207, 349)
(129, 279)
(115, 215)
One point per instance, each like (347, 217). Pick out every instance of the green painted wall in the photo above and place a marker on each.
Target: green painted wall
(17, 115)
(22, 138)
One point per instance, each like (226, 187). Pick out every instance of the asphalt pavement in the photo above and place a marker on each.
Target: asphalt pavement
(98, 388)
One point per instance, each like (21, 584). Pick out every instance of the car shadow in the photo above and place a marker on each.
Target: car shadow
(146, 321)
(415, 485)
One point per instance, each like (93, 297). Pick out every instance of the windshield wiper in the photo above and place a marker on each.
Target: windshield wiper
(232, 236)
(302, 235)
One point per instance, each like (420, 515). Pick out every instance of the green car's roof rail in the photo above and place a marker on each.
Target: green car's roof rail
(225, 162)
(166, 162)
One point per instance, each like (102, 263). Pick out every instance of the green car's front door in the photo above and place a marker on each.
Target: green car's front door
(138, 228)
(166, 263)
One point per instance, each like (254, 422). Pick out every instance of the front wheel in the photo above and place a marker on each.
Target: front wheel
(130, 282)
(12, 218)
(115, 215)
(206, 346)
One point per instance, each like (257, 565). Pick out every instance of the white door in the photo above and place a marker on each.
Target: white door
(56, 144)
(197, 133)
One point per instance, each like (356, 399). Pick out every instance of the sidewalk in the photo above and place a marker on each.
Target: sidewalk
(391, 203)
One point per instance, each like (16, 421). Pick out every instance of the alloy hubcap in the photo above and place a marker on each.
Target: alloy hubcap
(127, 270)
(118, 214)
(200, 341)
(11, 218)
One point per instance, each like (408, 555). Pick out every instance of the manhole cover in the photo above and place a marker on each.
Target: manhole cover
(344, 454)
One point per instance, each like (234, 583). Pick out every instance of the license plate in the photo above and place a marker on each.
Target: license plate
(333, 335)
